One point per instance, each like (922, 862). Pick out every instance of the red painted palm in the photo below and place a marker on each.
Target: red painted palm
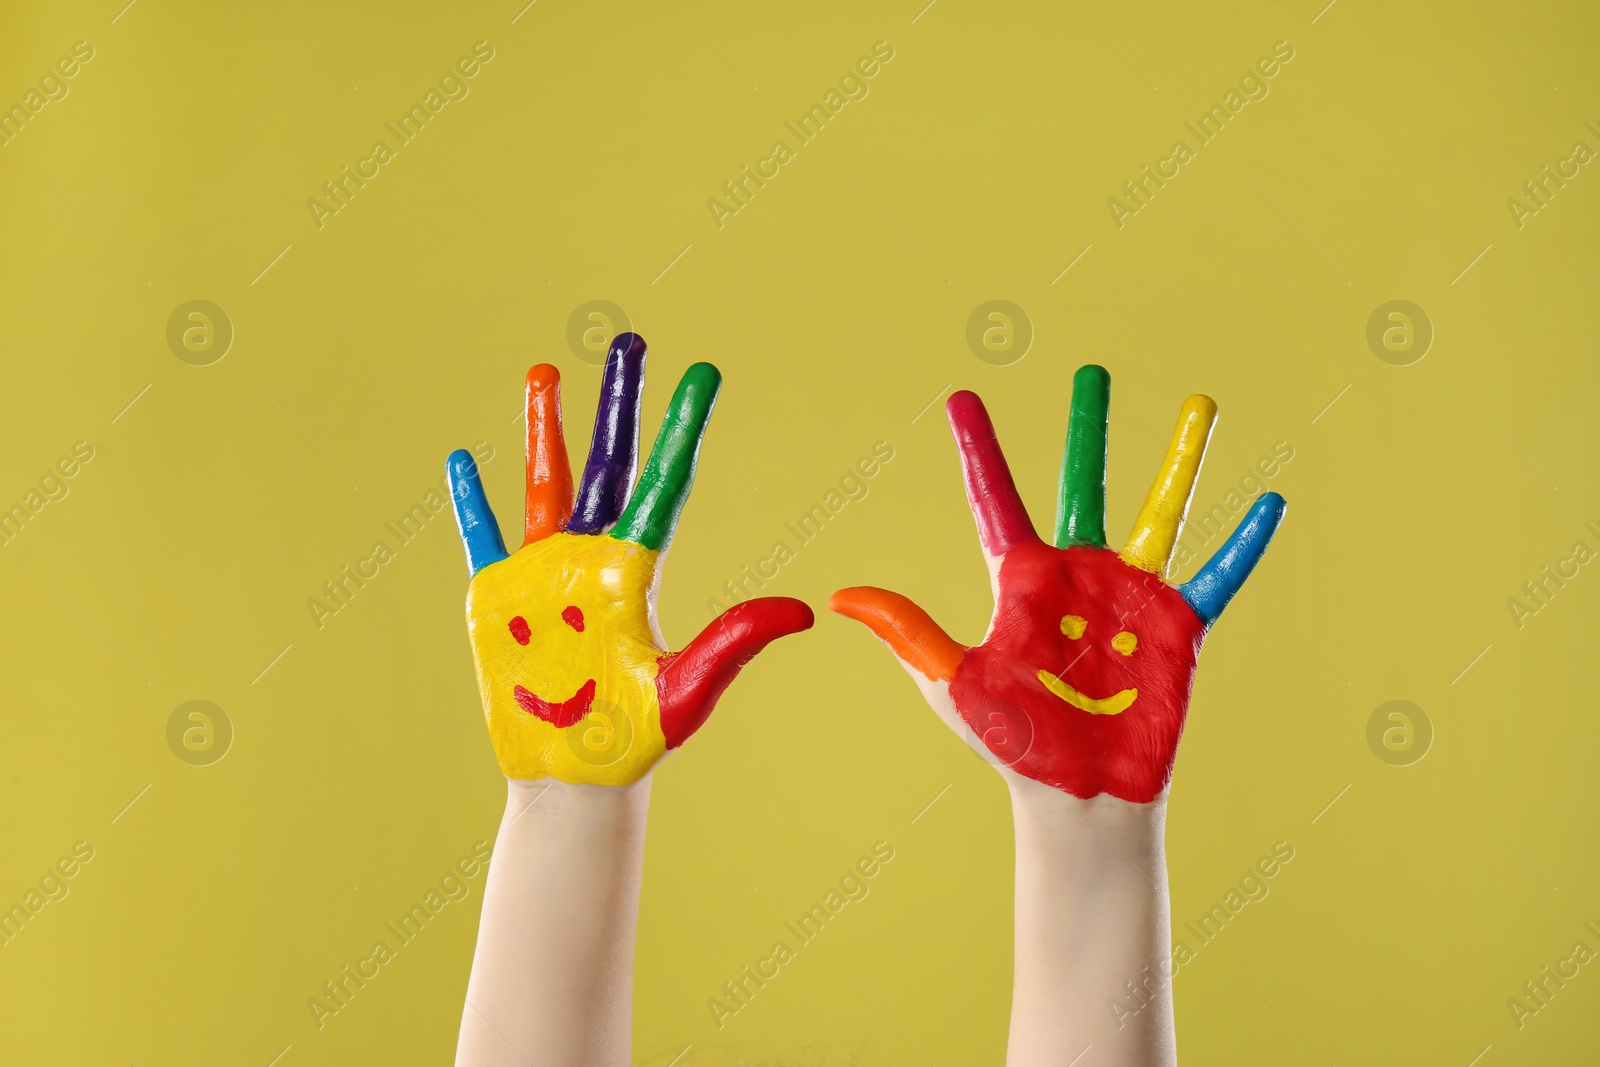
(1083, 679)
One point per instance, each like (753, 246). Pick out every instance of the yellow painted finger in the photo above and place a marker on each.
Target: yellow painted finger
(1160, 520)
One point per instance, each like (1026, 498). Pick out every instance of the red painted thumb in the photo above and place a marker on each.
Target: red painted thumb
(690, 681)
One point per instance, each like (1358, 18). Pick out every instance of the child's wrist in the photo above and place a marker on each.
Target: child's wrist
(1040, 809)
(550, 799)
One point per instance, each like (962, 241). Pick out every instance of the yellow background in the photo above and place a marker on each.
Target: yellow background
(836, 305)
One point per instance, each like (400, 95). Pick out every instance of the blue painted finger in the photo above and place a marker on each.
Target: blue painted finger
(614, 452)
(1224, 574)
(480, 534)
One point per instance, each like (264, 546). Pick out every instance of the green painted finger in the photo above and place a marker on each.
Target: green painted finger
(652, 511)
(1081, 510)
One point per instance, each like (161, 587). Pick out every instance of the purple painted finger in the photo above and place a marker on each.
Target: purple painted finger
(614, 452)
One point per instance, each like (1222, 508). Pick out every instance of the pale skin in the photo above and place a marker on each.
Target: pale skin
(582, 701)
(1086, 748)
(1077, 695)
(1091, 912)
(553, 983)
(552, 978)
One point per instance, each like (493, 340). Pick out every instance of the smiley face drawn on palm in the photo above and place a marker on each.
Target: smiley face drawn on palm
(568, 658)
(1085, 674)
(576, 680)
(1083, 679)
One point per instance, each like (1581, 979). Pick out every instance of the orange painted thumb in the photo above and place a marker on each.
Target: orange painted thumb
(908, 630)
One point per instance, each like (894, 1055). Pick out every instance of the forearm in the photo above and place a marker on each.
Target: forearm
(552, 978)
(1092, 919)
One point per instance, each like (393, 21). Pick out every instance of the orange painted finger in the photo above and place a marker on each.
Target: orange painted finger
(908, 630)
(549, 474)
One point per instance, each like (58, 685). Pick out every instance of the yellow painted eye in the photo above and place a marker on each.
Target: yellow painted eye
(1073, 626)
(1125, 643)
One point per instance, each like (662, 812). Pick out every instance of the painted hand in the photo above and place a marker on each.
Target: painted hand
(576, 680)
(1083, 679)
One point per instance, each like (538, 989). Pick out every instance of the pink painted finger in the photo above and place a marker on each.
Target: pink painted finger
(690, 681)
(1002, 520)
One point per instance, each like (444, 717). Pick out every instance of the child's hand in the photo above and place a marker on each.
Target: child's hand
(576, 680)
(1083, 679)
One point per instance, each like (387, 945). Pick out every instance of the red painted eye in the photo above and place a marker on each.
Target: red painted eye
(520, 630)
(573, 617)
